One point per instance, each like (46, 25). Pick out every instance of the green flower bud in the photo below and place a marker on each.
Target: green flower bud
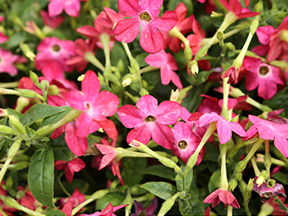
(134, 64)
(168, 204)
(240, 166)
(19, 165)
(7, 130)
(266, 209)
(120, 66)
(45, 84)
(194, 68)
(238, 176)
(259, 7)
(53, 90)
(14, 148)
(17, 125)
(34, 78)
(250, 184)
(27, 51)
(143, 91)
(233, 184)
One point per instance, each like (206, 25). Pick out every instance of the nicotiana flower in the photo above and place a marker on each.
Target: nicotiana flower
(183, 25)
(51, 57)
(96, 106)
(235, 7)
(71, 7)
(270, 131)
(52, 22)
(150, 120)
(224, 196)
(139, 209)
(7, 61)
(3, 37)
(209, 5)
(72, 201)
(144, 14)
(70, 167)
(260, 74)
(27, 200)
(185, 142)
(167, 65)
(224, 127)
(263, 33)
(276, 209)
(108, 211)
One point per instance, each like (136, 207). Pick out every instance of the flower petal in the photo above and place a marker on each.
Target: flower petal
(151, 40)
(127, 30)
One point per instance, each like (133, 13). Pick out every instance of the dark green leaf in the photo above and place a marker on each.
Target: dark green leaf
(161, 189)
(191, 205)
(54, 212)
(131, 169)
(161, 171)
(214, 180)
(40, 111)
(57, 117)
(114, 198)
(141, 59)
(281, 177)
(41, 176)
(3, 121)
(60, 149)
(202, 76)
(18, 115)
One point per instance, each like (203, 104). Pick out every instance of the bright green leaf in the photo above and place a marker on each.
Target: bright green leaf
(161, 189)
(214, 180)
(191, 205)
(54, 212)
(114, 198)
(161, 171)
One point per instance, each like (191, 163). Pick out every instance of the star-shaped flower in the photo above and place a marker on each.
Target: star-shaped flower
(224, 196)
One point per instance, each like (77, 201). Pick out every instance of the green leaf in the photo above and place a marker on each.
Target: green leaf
(131, 169)
(191, 205)
(40, 111)
(57, 117)
(214, 180)
(161, 189)
(54, 212)
(281, 177)
(41, 176)
(161, 171)
(60, 149)
(114, 198)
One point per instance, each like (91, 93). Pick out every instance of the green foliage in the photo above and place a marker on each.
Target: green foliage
(131, 169)
(114, 198)
(191, 205)
(163, 190)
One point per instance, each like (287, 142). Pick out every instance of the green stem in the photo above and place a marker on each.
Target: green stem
(90, 57)
(61, 185)
(255, 167)
(229, 210)
(96, 195)
(105, 39)
(225, 98)
(223, 184)
(9, 84)
(147, 69)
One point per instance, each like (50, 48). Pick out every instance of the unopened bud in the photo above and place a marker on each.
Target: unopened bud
(250, 184)
(254, 25)
(143, 92)
(233, 184)
(216, 14)
(167, 205)
(194, 68)
(259, 7)
(45, 84)
(34, 78)
(19, 166)
(81, 78)
(120, 66)
(188, 52)
(27, 51)
(20, 194)
(17, 125)
(220, 36)
(27, 93)
(240, 166)
(53, 90)
(134, 64)
(238, 176)
(266, 209)
(22, 102)
(14, 148)
(260, 180)
(7, 130)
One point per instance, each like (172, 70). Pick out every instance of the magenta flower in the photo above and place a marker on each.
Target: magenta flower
(270, 131)
(71, 7)
(235, 7)
(263, 33)
(185, 142)
(209, 5)
(108, 211)
(72, 202)
(224, 128)
(139, 209)
(52, 22)
(150, 120)
(96, 106)
(276, 209)
(263, 75)
(183, 25)
(3, 37)
(144, 14)
(224, 196)
(167, 65)
(78, 145)
(70, 167)
(52, 55)
(7, 60)
(266, 192)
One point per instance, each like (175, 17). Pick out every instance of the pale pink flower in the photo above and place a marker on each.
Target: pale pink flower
(52, 22)
(7, 61)
(71, 7)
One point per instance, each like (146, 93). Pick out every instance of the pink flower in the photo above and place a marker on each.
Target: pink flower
(7, 60)
(28, 199)
(96, 106)
(167, 65)
(235, 7)
(3, 37)
(209, 5)
(52, 55)
(108, 211)
(224, 128)
(52, 22)
(276, 209)
(71, 7)
(270, 131)
(70, 167)
(183, 26)
(150, 120)
(185, 142)
(144, 14)
(263, 33)
(81, 48)
(139, 209)
(263, 75)
(78, 145)
(72, 202)
(266, 192)
(224, 196)
(278, 46)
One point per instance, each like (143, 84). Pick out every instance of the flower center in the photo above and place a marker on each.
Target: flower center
(56, 48)
(145, 16)
(149, 119)
(88, 106)
(182, 144)
(263, 70)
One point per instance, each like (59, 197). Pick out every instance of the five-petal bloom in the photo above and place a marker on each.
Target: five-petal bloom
(167, 65)
(144, 14)
(71, 7)
(224, 196)
(270, 131)
(150, 120)
(96, 106)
